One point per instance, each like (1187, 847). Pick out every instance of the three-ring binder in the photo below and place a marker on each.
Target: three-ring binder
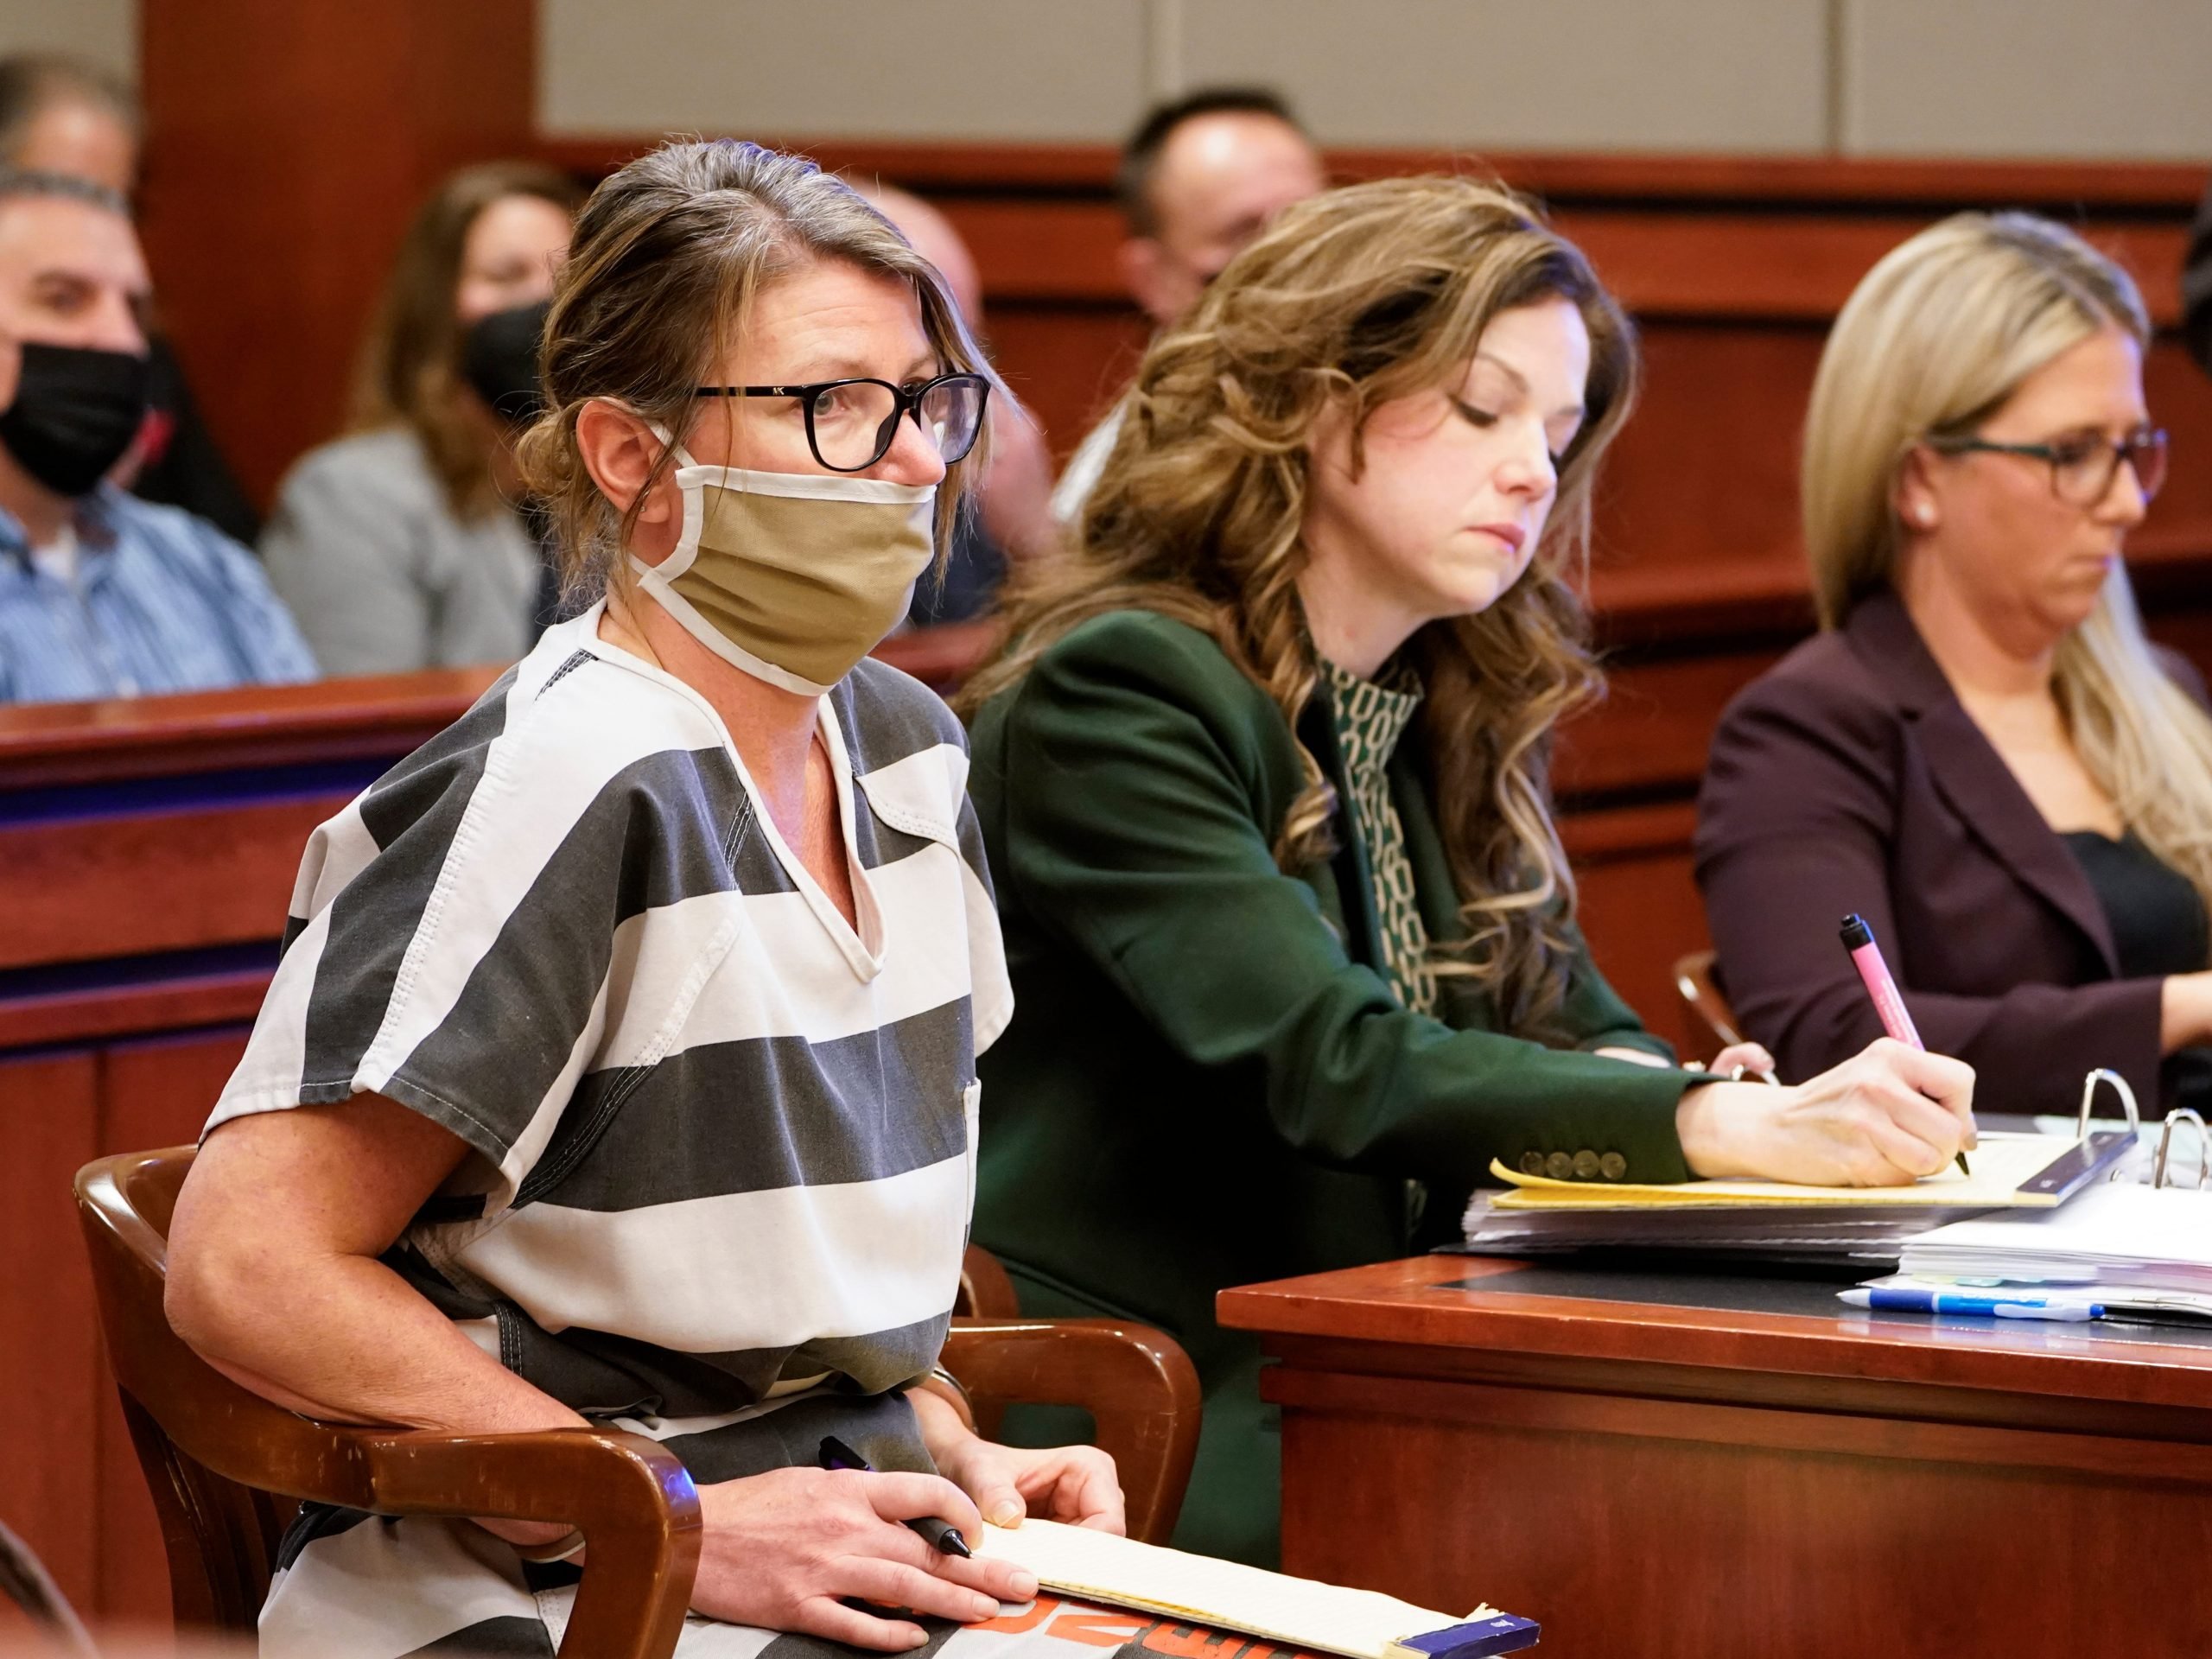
(2094, 1156)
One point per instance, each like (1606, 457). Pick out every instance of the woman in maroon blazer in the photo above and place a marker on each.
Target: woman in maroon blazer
(1980, 752)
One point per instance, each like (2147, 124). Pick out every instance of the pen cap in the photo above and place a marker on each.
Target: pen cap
(1855, 932)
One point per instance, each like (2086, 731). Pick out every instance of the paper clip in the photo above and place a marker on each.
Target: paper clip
(2203, 1148)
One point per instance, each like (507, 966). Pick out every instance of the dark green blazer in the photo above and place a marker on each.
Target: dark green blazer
(1208, 1081)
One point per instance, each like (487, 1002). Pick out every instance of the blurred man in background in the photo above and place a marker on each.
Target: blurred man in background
(102, 595)
(59, 115)
(1200, 178)
(1013, 517)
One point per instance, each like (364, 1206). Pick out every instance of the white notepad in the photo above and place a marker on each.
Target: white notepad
(1298, 1612)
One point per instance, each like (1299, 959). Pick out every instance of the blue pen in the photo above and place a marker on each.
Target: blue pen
(1895, 1299)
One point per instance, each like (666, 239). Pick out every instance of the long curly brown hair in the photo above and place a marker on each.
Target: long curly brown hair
(1361, 296)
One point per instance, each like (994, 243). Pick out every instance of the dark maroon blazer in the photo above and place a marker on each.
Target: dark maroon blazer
(1849, 778)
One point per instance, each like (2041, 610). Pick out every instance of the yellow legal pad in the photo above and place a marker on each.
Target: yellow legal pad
(2004, 1165)
(1228, 1596)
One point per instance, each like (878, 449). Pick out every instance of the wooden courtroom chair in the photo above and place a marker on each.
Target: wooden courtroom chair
(1709, 1010)
(985, 1290)
(226, 1467)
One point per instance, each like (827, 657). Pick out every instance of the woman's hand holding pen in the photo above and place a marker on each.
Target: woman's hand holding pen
(784, 1551)
(1888, 1115)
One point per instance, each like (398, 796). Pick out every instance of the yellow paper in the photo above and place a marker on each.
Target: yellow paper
(2002, 1165)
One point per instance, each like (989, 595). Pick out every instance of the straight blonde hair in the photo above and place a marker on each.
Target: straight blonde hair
(1933, 342)
(1352, 299)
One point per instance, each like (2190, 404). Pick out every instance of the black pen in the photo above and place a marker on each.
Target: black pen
(940, 1535)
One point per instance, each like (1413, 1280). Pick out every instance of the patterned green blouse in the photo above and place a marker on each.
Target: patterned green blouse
(1370, 717)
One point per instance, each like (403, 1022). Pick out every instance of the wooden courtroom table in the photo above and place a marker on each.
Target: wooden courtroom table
(1656, 1464)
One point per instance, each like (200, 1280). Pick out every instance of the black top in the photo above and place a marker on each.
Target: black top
(2158, 918)
(2157, 928)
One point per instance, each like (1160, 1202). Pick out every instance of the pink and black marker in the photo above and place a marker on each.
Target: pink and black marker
(1874, 975)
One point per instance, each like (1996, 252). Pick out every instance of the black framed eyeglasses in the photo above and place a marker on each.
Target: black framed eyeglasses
(2083, 467)
(851, 424)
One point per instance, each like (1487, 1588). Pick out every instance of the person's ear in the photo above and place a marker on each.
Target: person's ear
(619, 450)
(1915, 498)
(1149, 272)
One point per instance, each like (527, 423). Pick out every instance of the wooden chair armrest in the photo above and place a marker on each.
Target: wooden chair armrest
(1136, 1382)
(633, 1501)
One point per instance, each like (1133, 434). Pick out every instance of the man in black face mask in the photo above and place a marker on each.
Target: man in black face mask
(102, 595)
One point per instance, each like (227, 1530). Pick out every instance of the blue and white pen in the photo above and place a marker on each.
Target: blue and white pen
(1896, 1299)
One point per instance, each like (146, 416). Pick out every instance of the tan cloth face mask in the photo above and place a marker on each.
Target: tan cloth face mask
(792, 576)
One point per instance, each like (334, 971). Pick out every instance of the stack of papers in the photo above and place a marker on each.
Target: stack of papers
(2139, 1247)
(1776, 1221)
(1803, 1233)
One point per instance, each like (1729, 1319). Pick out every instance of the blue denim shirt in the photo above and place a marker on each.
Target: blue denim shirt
(161, 602)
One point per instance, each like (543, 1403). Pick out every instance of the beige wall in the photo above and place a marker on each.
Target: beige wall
(2088, 77)
(1534, 74)
(2031, 78)
(103, 31)
(2038, 78)
(1011, 69)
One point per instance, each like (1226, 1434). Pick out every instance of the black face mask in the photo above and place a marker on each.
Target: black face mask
(498, 359)
(77, 409)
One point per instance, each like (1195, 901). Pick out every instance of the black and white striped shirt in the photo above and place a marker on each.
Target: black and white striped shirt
(722, 1140)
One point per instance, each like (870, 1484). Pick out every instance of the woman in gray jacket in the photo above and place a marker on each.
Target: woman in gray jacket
(398, 546)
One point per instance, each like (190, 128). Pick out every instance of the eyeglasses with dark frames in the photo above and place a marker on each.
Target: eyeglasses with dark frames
(2083, 467)
(851, 424)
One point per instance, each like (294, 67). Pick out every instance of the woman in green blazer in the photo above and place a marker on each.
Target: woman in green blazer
(1262, 773)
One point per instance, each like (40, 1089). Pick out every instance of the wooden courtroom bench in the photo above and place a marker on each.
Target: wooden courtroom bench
(148, 849)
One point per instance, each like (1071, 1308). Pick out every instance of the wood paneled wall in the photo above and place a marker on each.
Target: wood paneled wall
(290, 145)
(1733, 269)
(270, 219)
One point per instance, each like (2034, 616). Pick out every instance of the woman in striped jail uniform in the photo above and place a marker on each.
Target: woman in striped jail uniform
(1261, 773)
(620, 1066)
